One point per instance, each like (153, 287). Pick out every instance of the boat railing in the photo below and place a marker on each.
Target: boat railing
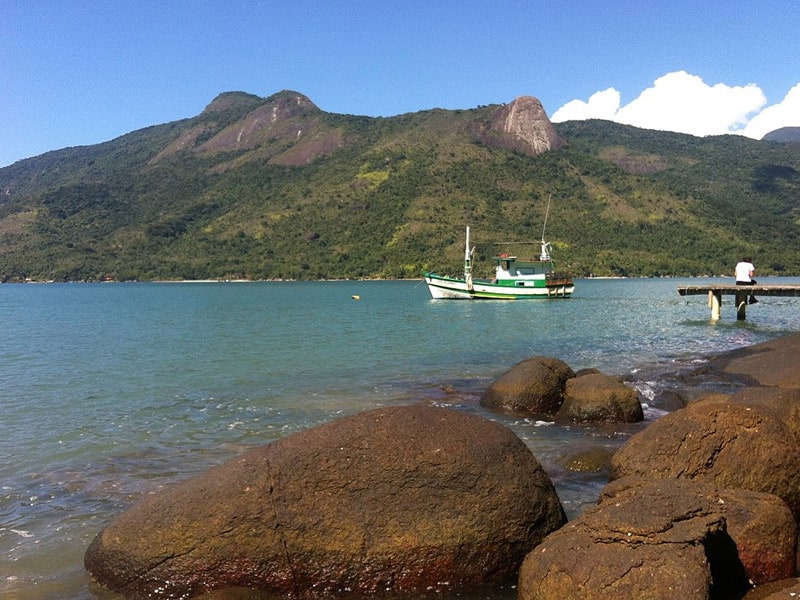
(558, 278)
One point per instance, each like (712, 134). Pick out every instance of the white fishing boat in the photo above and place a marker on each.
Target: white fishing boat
(514, 279)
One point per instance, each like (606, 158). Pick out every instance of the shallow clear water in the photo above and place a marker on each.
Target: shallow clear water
(112, 390)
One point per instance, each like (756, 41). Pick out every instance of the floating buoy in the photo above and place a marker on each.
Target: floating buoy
(356, 297)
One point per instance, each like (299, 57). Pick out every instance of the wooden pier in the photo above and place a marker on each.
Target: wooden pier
(742, 294)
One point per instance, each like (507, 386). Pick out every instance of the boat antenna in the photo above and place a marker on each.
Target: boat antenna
(545, 254)
(468, 262)
(546, 212)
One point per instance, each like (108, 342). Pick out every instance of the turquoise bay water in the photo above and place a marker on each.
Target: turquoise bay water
(110, 391)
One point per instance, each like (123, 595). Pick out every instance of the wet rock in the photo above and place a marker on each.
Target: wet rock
(587, 371)
(668, 400)
(593, 460)
(534, 386)
(720, 442)
(600, 398)
(400, 500)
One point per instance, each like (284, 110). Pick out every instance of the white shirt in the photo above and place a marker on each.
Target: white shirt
(743, 271)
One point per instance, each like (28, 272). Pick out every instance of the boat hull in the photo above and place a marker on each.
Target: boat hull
(452, 288)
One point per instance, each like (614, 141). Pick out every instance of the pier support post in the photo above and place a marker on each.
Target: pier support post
(741, 305)
(714, 301)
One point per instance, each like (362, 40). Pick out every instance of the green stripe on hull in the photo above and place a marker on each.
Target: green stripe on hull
(501, 296)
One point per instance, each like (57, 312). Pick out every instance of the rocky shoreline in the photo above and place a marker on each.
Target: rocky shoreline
(771, 363)
(703, 502)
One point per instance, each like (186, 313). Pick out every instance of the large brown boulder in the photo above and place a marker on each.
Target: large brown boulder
(761, 525)
(721, 442)
(397, 500)
(628, 550)
(597, 398)
(663, 539)
(534, 386)
(765, 533)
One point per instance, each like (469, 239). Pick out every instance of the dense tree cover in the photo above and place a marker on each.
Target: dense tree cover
(393, 199)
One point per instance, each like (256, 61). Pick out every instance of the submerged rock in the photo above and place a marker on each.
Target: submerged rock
(398, 500)
(593, 460)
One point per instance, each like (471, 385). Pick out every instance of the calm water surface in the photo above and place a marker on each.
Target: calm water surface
(109, 391)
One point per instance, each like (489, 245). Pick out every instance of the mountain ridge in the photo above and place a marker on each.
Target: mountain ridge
(783, 134)
(267, 188)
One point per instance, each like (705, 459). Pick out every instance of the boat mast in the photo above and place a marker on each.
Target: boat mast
(545, 254)
(468, 263)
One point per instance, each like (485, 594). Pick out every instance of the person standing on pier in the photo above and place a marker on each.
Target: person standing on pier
(744, 275)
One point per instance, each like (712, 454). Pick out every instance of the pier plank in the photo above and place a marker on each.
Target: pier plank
(731, 289)
(742, 292)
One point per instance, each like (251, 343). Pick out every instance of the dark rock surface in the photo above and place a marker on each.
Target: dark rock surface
(720, 474)
(398, 500)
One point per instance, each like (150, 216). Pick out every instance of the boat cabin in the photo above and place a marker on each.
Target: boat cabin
(510, 267)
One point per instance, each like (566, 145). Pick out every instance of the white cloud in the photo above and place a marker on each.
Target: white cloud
(601, 105)
(684, 103)
(784, 114)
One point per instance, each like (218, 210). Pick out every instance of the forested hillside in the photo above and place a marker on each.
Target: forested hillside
(315, 195)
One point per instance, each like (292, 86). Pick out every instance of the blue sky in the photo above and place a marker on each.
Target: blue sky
(82, 72)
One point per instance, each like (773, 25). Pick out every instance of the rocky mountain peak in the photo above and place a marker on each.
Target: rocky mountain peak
(285, 118)
(521, 126)
(288, 104)
(227, 100)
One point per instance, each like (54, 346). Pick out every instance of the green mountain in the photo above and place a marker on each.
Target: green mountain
(274, 187)
(784, 134)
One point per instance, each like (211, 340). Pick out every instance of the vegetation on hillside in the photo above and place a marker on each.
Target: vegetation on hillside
(392, 200)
